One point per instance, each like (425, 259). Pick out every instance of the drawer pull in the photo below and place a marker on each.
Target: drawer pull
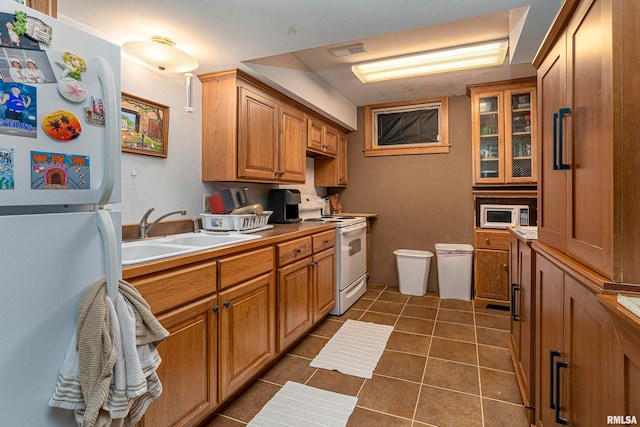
(326, 241)
(298, 250)
(486, 240)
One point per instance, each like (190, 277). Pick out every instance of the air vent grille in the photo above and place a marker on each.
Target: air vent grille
(348, 50)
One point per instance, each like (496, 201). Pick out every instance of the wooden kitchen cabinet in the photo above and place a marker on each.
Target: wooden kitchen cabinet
(306, 285)
(247, 331)
(188, 371)
(590, 180)
(249, 133)
(50, 7)
(184, 301)
(332, 172)
(522, 342)
(492, 267)
(574, 338)
(321, 138)
(503, 130)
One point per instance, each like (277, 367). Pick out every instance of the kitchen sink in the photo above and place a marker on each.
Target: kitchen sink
(139, 251)
(207, 240)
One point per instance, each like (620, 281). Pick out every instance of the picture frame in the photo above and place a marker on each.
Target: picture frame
(144, 126)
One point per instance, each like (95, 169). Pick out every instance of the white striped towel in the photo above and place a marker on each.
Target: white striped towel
(355, 349)
(298, 405)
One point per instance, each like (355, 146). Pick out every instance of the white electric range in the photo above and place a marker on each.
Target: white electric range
(351, 251)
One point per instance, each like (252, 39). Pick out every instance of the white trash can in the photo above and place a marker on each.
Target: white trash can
(455, 263)
(413, 270)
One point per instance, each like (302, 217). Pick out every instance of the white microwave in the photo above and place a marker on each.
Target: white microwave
(503, 216)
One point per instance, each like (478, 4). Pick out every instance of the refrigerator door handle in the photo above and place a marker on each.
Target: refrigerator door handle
(112, 130)
(109, 242)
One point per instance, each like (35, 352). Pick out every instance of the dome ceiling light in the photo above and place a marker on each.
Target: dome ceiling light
(160, 54)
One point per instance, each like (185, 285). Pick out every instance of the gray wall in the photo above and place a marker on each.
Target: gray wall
(421, 200)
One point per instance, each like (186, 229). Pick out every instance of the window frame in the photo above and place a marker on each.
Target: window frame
(370, 137)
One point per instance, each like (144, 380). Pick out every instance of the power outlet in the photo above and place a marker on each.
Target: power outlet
(205, 203)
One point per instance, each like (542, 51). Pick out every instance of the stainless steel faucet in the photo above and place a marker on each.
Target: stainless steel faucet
(144, 228)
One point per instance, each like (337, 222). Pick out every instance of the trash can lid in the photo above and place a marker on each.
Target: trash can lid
(453, 247)
(413, 253)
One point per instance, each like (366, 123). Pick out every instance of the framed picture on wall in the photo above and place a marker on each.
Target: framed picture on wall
(144, 126)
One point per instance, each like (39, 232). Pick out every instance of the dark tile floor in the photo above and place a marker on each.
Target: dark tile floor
(446, 363)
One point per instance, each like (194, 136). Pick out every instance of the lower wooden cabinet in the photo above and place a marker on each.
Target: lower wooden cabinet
(522, 342)
(323, 272)
(573, 351)
(306, 285)
(295, 315)
(492, 267)
(188, 371)
(247, 332)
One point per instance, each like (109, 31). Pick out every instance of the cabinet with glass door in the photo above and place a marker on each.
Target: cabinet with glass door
(503, 132)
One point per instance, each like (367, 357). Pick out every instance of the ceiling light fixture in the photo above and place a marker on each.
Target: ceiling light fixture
(160, 54)
(433, 62)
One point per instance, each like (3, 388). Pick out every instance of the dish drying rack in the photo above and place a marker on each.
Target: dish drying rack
(238, 223)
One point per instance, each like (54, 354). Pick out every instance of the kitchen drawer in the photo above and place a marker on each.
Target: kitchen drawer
(240, 268)
(322, 241)
(174, 288)
(494, 239)
(294, 250)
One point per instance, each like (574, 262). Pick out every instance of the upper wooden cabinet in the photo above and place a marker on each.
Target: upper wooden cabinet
(332, 172)
(589, 168)
(50, 7)
(248, 133)
(503, 130)
(322, 138)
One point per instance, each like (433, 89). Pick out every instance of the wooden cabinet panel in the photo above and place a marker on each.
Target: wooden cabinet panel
(492, 274)
(294, 250)
(503, 129)
(549, 340)
(174, 288)
(324, 283)
(332, 172)
(330, 140)
(50, 7)
(238, 268)
(294, 302)
(322, 241)
(257, 136)
(247, 331)
(586, 91)
(188, 371)
(315, 135)
(292, 164)
(492, 239)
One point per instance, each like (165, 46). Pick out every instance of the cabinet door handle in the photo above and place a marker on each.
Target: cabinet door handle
(555, 142)
(559, 419)
(561, 113)
(514, 314)
(227, 304)
(552, 354)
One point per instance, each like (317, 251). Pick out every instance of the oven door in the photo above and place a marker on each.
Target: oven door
(352, 260)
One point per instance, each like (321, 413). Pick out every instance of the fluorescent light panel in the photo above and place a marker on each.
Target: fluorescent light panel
(439, 61)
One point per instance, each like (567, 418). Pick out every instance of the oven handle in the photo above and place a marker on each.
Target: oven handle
(352, 228)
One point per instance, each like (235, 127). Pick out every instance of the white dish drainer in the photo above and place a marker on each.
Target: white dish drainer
(239, 223)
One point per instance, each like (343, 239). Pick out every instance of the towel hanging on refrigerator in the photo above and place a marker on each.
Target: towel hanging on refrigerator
(109, 372)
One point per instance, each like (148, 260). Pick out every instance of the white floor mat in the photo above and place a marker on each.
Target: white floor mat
(298, 405)
(355, 349)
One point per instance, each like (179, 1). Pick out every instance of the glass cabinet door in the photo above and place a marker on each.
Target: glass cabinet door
(519, 143)
(490, 147)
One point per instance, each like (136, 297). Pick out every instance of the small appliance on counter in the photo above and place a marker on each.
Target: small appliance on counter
(284, 203)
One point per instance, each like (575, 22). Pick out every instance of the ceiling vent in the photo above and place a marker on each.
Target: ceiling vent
(348, 50)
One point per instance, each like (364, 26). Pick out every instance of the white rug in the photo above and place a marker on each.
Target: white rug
(355, 349)
(298, 405)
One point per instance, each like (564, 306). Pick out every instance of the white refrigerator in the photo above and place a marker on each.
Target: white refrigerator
(59, 172)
